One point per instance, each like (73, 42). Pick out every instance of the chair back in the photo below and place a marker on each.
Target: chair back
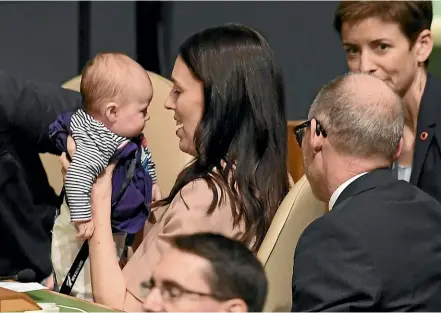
(296, 212)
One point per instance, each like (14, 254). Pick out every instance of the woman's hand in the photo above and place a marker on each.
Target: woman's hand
(102, 193)
(71, 147)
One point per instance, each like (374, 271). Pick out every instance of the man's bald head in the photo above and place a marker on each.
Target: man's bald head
(362, 115)
(108, 77)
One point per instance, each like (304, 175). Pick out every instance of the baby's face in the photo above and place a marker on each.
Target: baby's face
(131, 115)
(131, 118)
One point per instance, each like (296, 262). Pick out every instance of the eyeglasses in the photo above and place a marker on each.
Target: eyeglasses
(299, 130)
(171, 291)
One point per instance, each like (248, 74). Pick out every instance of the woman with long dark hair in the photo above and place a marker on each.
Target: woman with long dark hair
(228, 100)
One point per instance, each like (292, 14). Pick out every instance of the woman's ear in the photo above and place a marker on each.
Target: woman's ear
(423, 46)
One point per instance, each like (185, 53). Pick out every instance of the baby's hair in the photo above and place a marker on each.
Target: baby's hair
(104, 79)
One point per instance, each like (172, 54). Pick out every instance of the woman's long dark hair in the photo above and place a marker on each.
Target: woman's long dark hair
(241, 139)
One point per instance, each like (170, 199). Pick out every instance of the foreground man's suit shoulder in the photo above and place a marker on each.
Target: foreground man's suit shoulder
(379, 249)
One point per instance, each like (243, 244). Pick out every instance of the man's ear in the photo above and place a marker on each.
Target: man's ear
(111, 111)
(399, 149)
(235, 305)
(316, 140)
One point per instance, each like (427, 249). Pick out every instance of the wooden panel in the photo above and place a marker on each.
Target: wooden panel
(295, 159)
(13, 301)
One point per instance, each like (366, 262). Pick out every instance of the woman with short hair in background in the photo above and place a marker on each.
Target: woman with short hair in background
(392, 40)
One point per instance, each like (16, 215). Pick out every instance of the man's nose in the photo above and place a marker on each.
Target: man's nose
(154, 302)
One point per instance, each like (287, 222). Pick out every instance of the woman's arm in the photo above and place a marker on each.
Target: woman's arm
(108, 282)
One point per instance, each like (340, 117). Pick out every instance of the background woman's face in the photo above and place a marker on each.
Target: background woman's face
(380, 48)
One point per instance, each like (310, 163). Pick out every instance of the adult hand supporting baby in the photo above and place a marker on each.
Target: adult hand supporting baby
(102, 192)
(63, 158)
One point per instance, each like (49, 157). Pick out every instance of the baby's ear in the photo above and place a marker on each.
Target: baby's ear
(111, 111)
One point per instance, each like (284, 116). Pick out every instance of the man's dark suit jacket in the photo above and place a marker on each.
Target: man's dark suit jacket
(27, 202)
(426, 167)
(378, 249)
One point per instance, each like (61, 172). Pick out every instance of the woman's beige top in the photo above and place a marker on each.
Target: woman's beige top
(175, 220)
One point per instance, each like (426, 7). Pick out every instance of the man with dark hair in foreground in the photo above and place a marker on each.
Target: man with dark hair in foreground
(206, 273)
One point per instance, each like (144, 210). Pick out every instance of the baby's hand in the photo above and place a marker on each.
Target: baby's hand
(50, 282)
(156, 192)
(85, 230)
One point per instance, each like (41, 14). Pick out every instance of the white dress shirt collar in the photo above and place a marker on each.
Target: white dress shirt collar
(340, 189)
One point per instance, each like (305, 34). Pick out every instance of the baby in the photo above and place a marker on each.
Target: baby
(116, 93)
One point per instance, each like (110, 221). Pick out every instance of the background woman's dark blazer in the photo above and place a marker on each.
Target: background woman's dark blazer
(426, 167)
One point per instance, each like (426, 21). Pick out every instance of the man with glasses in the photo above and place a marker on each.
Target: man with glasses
(379, 247)
(206, 273)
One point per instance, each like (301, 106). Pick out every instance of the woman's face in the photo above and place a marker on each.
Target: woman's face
(187, 101)
(381, 49)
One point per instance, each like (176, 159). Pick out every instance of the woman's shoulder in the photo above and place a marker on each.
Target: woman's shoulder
(193, 210)
(199, 184)
(199, 193)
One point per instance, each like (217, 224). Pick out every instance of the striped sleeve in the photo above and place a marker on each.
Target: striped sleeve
(149, 165)
(95, 146)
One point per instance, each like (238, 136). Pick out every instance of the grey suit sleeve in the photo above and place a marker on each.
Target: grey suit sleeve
(332, 270)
